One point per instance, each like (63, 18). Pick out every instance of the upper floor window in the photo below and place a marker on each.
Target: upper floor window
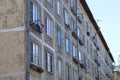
(50, 1)
(59, 37)
(36, 13)
(49, 29)
(80, 57)
(78, 32)
(59, 7)
(66, 16)
(74, 51)
(60, 69)
(68, 72)
(71, 3)
(67, 45)
(35, 54)
(49, 62)
(75, 75)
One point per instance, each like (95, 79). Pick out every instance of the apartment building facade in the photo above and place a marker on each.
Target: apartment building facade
(51, 40)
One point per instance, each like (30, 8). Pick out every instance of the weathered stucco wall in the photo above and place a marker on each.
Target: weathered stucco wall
(12, 13)
(12, 40)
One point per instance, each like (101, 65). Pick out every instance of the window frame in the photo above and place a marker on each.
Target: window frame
(35, 12)
(79, 56)
(49, 28)
(71, 3)
(59, 68)
(66, 17)
(59, 37)
(35, 47)
(75, 75)
(49, 62)
(68, 73)
(74, 51)
(59, 7)
(67, 45)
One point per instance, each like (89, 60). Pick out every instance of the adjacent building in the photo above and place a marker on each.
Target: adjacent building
(116, 72)
(52, 40)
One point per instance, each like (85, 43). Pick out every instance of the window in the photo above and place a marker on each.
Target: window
(59, 7)
(68, 72)
(50, 1)
(67, 45)
(74, 51)
(49, 62)
(35, 54)
(49, 28)
(71, 3)
(80, 58)
(66, 15)
(35, 13)
(75, 27)
(59, 37)
(78, 32)
(75, 75)
(59, 68)
(71, 23)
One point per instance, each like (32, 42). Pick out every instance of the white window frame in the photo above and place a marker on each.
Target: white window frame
(60, 69)
(74, 51)
(71, 3)
(59, 7)
(79, 56)
(35, 57)
(75, 77)
(49, 62)
(66, 15)
(59, 37)
(78, 32)
(68, 72)
(49, 27)
(36, 13)
(67, 45)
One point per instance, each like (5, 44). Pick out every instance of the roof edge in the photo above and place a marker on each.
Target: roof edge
(85, 6)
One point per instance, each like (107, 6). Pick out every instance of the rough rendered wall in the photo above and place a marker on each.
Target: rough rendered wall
(12, 13)
(12, 39)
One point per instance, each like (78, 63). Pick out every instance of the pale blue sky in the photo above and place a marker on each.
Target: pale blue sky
(108, 11)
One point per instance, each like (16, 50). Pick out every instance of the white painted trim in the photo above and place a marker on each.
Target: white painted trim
(19, 28)
(41, 41)
(17, 74)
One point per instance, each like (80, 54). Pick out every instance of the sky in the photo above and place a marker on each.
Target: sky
(107, 16)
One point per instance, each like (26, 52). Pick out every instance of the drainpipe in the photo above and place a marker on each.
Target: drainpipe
(77, 39)
(27, 42)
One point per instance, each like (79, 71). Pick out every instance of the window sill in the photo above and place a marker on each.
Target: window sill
(75, 60)
(74, 35)
(67, 26)
(49, 72)
(60, 46)
(68, 53)
(81, 42)
(48, 36)
(79, 19)
(82, 65)
(36, 68)
(59, 14)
